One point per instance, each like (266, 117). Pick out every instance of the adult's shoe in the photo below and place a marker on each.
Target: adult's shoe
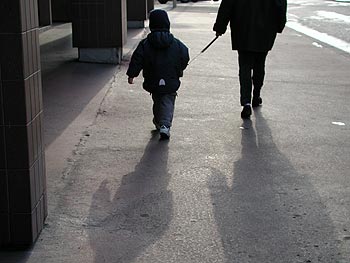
(256, 102)
(246, 112)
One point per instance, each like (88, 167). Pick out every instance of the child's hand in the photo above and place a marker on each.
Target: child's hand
(131, 80)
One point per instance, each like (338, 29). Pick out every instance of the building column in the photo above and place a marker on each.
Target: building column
(61, 10)
(45, 18)
(99, 30)
(137, 13)
(23, 206)
(150, 5)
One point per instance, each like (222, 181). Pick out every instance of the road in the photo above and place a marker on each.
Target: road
(269, 190)
(329, 20)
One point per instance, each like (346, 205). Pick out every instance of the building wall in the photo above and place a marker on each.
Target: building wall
(99, 24)
(23, 206)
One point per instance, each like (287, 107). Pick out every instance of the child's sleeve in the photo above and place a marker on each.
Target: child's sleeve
(136, 61)
(185, 57)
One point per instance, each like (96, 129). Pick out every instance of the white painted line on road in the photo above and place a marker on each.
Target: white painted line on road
(343, 1)
(338, 123)
(323, 37)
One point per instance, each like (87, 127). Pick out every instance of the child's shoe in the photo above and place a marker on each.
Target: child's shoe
(164, 132)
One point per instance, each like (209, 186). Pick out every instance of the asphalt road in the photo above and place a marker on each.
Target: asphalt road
(328, 18)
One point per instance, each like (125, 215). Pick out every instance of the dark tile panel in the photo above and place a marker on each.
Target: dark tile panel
(44, 8)
(31, 53)
(4, 199)
(61, 10)
(43, 170)
(37, 182)
(41, 215)
(139, 13)
(4, 229)
(17, 102)
(40, 87)
(150, 5)
(18, 146)
(32, 96)
(22, 195)
(1, 102)
(36, 95)
(23, 15)
(29, 56)
(45, 205)
(24, 230)
(31, 145)
(42, 142)
(40, 178)
(36, 50)
(99, 24)
(26, 60)
(27, 14)
(12, 60)
(34, 14)
(10, 14)
(2, 148)
(39, 134)
(34, 129)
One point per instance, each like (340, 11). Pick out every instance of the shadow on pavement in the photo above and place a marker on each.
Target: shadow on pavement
(68, 85)
(13, 256)
(139, 212)
(269, 212)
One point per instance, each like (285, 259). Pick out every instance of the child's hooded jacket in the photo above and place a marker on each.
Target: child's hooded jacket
(160, 55)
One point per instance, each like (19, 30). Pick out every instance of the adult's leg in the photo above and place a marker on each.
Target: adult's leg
(245, 61)
(164, 108)
(258, 72)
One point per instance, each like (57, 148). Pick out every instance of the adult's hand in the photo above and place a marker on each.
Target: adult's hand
(131, 80)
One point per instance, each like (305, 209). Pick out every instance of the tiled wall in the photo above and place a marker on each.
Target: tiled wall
(61, 10)
(99, 23)
(150, 5)
(45, 17)
(139, 12)
(22, 158)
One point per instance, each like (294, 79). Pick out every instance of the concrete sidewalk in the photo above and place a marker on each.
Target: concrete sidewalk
(272, 189)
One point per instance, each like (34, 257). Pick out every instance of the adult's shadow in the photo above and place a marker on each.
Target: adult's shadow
(270, 212)
(139, 213)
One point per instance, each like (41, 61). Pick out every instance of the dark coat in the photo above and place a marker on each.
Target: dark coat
(254, 23)
(163, 58)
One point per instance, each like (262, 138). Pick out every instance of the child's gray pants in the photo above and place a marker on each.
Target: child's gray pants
(163, 108)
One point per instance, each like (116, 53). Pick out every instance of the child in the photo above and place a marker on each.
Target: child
(162, 58)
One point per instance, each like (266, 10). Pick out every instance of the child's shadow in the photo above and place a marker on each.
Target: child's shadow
(140, 211)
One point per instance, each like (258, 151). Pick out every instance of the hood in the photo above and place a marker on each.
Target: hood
(159, 20)
(160, 39)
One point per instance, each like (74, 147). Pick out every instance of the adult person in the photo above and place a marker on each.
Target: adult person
(254, 25)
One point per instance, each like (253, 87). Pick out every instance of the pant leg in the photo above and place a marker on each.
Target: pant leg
(245, 61)
(156, 107)
(163, 108)
(259, 72)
